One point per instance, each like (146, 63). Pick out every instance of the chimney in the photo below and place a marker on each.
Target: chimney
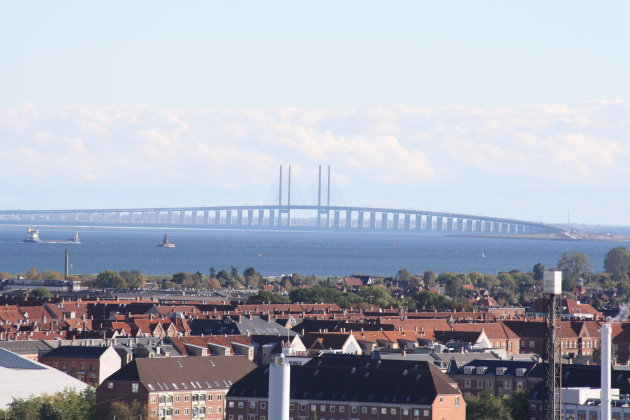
(605, 372)
(279, 388)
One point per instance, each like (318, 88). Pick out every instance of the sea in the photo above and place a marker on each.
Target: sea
(274, 253)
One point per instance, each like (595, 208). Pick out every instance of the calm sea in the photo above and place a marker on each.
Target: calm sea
(281, 252)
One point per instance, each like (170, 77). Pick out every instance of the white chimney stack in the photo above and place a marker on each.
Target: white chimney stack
(605, 372)
(279, 388)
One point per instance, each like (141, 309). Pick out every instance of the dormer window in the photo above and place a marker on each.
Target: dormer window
(501, 371)
(481, 370)
(468, 370)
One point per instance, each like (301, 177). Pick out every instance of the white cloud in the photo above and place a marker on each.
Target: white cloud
(398, 151)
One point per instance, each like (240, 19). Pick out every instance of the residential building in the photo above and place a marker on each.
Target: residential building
(176, 388)
(89, 364)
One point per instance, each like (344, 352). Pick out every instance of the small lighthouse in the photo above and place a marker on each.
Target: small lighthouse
(279, 388)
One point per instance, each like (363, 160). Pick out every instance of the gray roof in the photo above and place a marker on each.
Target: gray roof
(11, 360)
(25, 346)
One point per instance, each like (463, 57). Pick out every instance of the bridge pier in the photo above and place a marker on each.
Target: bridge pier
(372, 220)
(384, 220)
(272, 215)
(396, 221)
(429, 223)
(469, 225)
(360, 220)
(206, 217)
(261, 218)
(228, 218)
(449, 224)
(336, 220)
(418, 222)
(217, 217)
(239, 217)
(182, 217)
(348, 219)
(250, 217)
(194, 217)
(407, 221)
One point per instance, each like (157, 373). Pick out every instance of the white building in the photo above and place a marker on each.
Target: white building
(23, 378)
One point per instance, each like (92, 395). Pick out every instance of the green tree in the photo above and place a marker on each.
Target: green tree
(429, 278)
(110, 278)
(264, 296)
(377, 295)
(41, 292)
(487, 407)
(404, 276)
(51, 275)
(134, 279)
(574, 265)
(539, 271)
(617, 262)
(426, 301)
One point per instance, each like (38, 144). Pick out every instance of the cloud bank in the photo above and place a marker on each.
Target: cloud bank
(532, 162)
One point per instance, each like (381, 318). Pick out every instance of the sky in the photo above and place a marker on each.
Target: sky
(506, 109)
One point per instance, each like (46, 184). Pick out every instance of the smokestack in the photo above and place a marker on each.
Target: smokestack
(279, 388)
(605, 372)
(66, 266)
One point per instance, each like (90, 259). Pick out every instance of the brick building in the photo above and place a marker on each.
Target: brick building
(90, 364)
(176, 387)
(353, 387)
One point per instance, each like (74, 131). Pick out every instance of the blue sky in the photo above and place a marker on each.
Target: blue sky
(514, 109)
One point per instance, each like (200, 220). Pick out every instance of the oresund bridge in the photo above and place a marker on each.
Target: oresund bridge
(319, 216)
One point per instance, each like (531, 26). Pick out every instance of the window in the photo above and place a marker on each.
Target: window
(322, 408)
(202, 397)
(153, 399)
(177, 411)
(416, 412)
(240, 404)
(134, 388)
(302, 407)
(405, 411)
(219, 397)
(313, 407)
(342, 409)
(92, 367)
(252, 404)
(186, 411)
(456, 401)
(209, 410)
(187, 398)
(82, 366)
(177, 398)
(291, 407)
(426, 413)
(195, 398)
(231, 404)
(363, 410)
(392, 411)
(374, 410)
(263, 405)
(441, 400)
(110, 385)
(209, 397)
(332, 409)
(383, 410)
(162, 399)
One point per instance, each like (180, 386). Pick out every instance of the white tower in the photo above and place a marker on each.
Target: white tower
(279, 388)
(605, 372)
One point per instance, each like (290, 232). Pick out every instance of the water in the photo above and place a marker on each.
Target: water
(281, 252)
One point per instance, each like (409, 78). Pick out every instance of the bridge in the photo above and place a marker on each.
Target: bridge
(320, 216)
